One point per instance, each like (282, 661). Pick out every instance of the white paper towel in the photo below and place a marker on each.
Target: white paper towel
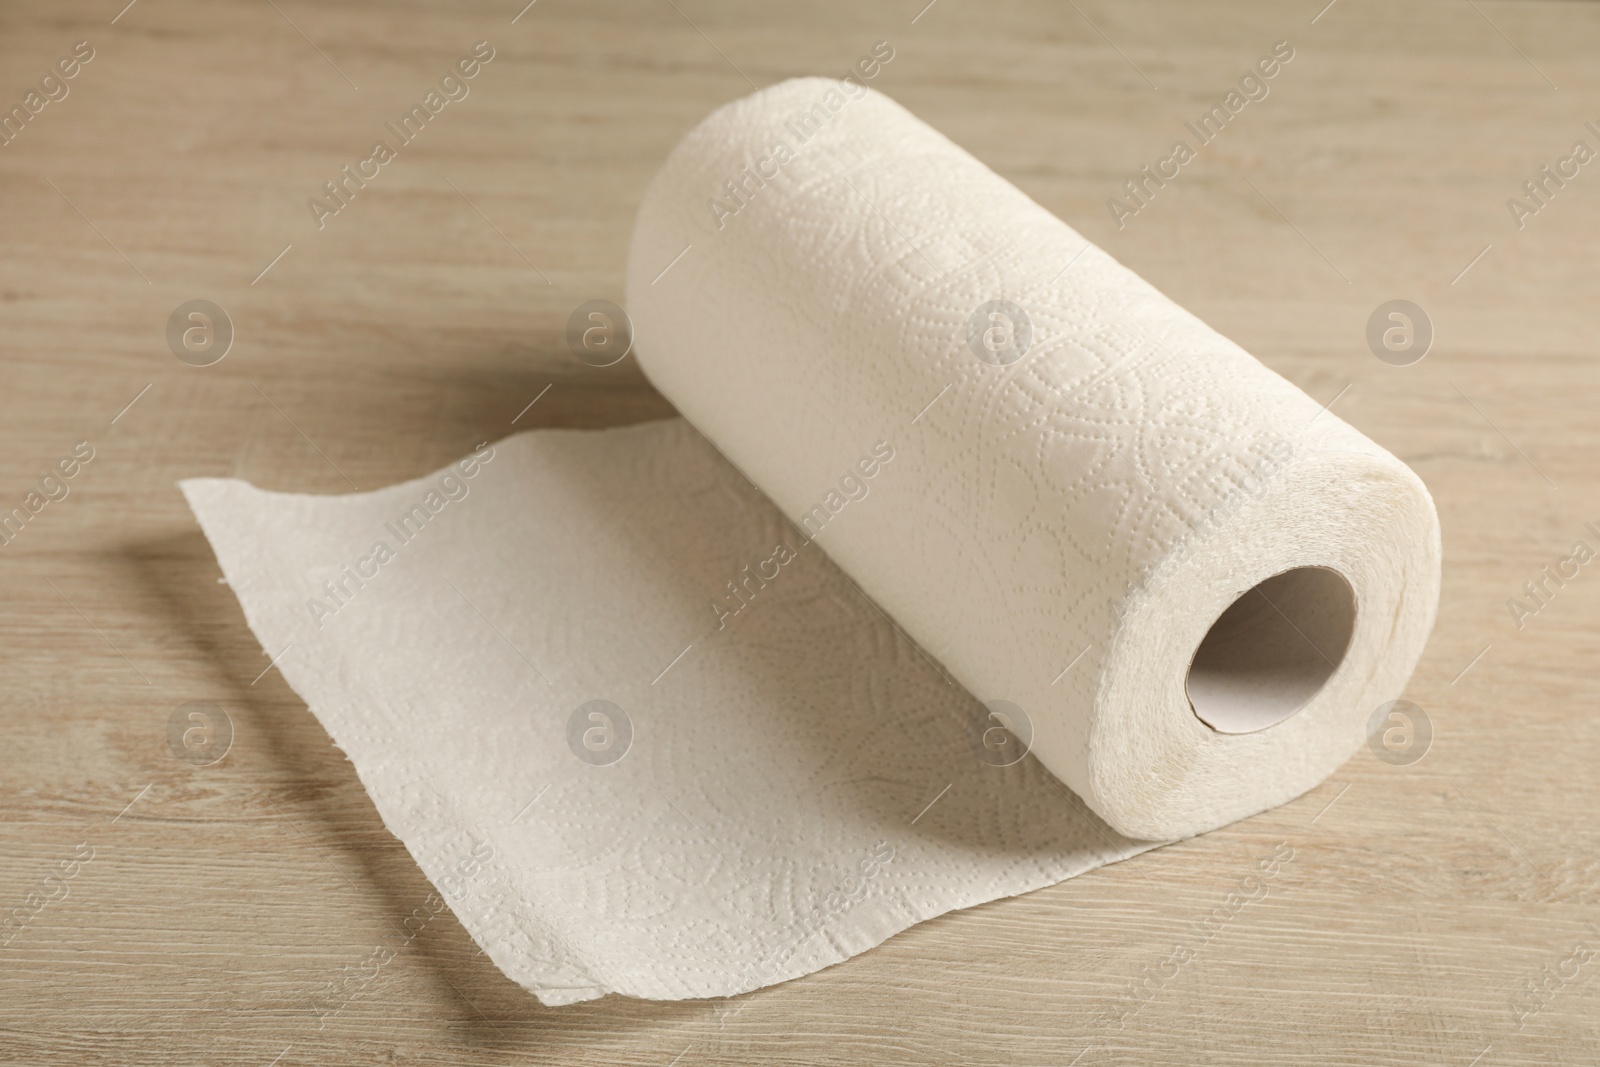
(1116, 488)
(799, 780)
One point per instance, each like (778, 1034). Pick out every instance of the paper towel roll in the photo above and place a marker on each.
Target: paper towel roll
(645, 737)
(1194, 581)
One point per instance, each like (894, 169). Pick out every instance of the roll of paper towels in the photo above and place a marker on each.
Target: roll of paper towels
(656, 727)
(1081, 464)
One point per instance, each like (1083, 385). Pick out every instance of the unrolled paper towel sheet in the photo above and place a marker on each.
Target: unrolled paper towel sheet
(657, 728)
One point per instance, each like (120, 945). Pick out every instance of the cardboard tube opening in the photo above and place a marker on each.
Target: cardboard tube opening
(1270, 652)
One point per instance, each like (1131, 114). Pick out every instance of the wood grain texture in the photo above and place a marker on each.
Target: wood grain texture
(1421, 903)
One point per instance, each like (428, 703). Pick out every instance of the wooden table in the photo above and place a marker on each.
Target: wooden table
(1426, 906)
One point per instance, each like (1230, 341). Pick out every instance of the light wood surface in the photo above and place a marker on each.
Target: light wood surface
(1421, 902)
